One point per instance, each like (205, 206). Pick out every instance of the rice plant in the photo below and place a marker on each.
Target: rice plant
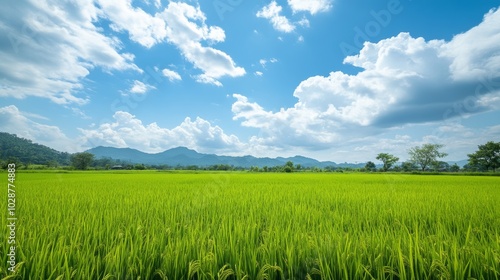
(154, 225)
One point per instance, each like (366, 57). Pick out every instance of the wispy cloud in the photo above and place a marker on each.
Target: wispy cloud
(263, 62)
(33, 31)
(139, 87)
(12, 120)
(171, 75)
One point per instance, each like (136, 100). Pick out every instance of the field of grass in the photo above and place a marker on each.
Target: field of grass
(154, 225)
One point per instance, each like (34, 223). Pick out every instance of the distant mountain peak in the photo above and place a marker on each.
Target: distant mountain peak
(177, 151)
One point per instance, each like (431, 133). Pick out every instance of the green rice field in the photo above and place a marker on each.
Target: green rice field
(160, 225)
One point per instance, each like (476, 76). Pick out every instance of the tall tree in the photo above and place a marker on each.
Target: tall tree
(487, 157)
(408, 166)
(441, 166)
(288, 166)
(387, 159)
(81, 161)
(427, 155)
(370, 166)
(454, 168)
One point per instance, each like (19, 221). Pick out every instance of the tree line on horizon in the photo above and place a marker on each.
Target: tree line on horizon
(25, 153)
(426, 158)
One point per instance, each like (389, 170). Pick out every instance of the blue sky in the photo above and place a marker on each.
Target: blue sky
(329, 79)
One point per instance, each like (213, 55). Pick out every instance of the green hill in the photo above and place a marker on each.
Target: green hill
(14, 148)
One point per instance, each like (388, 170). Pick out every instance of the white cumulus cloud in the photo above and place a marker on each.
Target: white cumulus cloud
(142, 27)
(403, 80)
(272, 12)
(186, 29)
(475, 53)
(182, 25)
(311, 6)
(128, 131)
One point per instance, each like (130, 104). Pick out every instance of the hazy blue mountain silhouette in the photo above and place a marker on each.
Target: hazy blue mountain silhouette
(184, 157)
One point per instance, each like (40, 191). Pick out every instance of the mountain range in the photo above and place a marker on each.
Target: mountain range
(24, 150)
(185, 157)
